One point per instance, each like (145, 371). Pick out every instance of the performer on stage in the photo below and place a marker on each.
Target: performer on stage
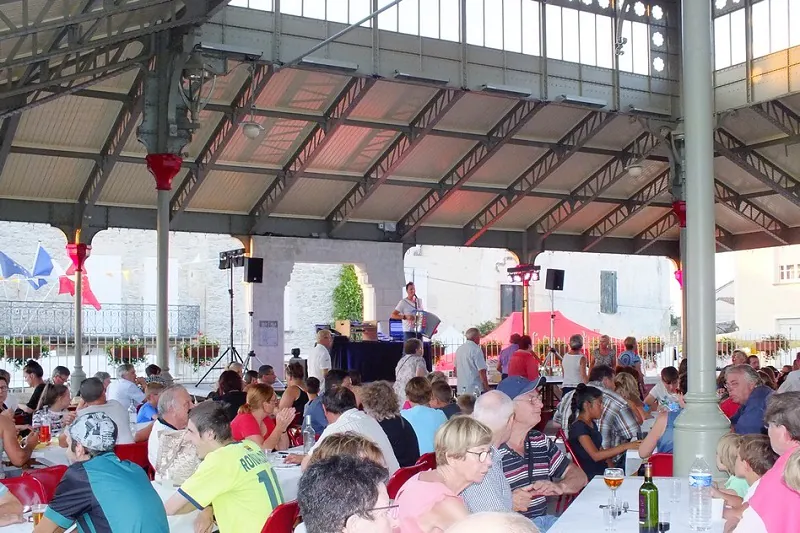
(405, 311)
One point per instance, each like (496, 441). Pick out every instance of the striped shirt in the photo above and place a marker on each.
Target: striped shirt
(543, 461)
(617, 423)
(493, 494)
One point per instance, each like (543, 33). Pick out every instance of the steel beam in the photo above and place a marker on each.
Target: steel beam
(655, 232)
(780, 116)
(757, 166)
(724, 238)
(220, 139)
(442, 102)
(121, 131)
(508, 126)
(535, 175)
(8, 129)
(633, 205)
(315, 143)
(592, 187)
(750, 211)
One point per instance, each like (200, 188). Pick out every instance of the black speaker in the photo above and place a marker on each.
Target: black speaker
(555, 280)
(253, 269)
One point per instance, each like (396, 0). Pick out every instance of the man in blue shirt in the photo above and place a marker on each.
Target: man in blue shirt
(745, 388)
(99, 493)
(506, 353)
(333, 379)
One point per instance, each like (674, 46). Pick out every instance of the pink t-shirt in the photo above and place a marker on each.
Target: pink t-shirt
(777, 504)
(417, 497)
(245, 425)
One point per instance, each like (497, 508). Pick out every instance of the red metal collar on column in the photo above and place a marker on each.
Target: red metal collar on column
(679, 208)
(78, 253)
(164, 167)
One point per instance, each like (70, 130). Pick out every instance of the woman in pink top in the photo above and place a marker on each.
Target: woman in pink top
(429, 502)
(260, 421)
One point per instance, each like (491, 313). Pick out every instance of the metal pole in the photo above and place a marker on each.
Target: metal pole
(348, 29)
(162, 272)
(78, 374)
(526, 318)
(699, 427)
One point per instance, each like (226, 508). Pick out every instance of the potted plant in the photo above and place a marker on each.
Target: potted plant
(123, 351)
(651, 346)
(725, 346)
(18, 350)
(200, 351)
(772, 344)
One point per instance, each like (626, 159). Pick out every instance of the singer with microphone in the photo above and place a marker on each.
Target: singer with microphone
(406, 311)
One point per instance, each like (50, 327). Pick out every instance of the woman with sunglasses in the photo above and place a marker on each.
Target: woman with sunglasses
(430, 501)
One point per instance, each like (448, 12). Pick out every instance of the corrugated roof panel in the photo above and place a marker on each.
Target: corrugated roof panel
(618, 134)
(459, 209)
(506, 165)
(390, 202)
(525, 213)
(44, 178)
(750, 127)
(276, 144)
(313, 198)
(733, 222)
(573, 172)
(132, 185)
(352, 150)
(730, 174)
(476, 113)
(226, 87)
(552, 123)
(434, 157)
(584, 218)
(209, 121)
(302, 90)
(230, 192)
(628, 185)
(393, 102)
(69, 122)
(118, 84)
(781, 208)
(785, 157)
(637, 223)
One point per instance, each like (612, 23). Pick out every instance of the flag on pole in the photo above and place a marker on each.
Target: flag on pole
(10, 268)
(42, 268)
(66, 285)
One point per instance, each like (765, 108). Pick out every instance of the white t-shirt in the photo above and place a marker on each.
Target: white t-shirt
(469, 362)
(118, 414)
(363, 424)
(319, 359)
(659, 392)
(124, 391)
(407, 307)
(751, 491)
(791, 383)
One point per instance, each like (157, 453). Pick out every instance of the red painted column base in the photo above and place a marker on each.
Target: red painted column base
(164, 167)
(78, 253)
(679, 208)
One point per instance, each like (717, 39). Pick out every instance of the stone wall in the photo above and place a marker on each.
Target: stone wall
(308, 301)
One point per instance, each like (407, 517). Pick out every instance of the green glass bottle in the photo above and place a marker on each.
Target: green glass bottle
(648, 503)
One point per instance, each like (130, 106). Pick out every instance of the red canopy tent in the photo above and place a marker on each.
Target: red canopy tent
(563, 327)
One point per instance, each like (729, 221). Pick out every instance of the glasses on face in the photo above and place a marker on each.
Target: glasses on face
(481, 455)
(381, 511)
(3, 388)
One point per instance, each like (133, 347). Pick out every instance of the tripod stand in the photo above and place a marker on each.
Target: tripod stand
(230, 352)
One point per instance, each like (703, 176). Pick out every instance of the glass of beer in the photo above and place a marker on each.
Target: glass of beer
(613, 478)
(37, 512)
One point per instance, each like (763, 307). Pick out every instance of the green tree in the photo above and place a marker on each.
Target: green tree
(490, 325)
(348, 298)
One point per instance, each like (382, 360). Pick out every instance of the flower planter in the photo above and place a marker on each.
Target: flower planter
(128, 354)
(15, 352)
(203, 354)
(768, 347)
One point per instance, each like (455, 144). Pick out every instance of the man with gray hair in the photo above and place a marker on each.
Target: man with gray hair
(496, 410)
(471, 365)
(745, 388)
(127, 389)
(173, 415)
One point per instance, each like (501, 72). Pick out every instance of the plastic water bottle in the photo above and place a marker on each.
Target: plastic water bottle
(132, 415)
(700, 495)
(309, 435)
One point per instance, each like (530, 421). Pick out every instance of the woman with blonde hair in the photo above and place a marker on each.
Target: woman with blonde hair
(791, 475)
(348, 443)
(626, 386)
(260, 421)
(429, 501)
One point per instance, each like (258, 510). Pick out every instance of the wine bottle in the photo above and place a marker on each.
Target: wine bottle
(648, 503)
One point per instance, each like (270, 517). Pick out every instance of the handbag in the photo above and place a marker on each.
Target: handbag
(177, 458)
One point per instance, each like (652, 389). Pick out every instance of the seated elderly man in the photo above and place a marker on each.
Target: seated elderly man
(343, 494)
(617, 424)
(745, 388)
(531, 461)
(99, 492)
(173, 415)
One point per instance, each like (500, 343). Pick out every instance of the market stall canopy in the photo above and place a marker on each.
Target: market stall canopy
(563, 327)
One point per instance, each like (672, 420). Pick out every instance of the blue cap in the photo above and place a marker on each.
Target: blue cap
(513, 386)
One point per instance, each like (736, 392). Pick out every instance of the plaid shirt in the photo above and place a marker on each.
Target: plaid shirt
(617, 424)
(493, 494)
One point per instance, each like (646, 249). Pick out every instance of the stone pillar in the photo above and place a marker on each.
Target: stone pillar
(267, 306)
(78, 253)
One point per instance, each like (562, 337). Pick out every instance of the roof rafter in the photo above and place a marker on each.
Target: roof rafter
(749, 211)
(345, 103)
(441, 103)
(757, 166)
(219, 140)
(780, 116)
(544, 167)
(633, 205)
(593, 186)
(724, 238)
(505, 129)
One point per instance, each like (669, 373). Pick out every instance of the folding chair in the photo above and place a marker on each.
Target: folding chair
(283, 518)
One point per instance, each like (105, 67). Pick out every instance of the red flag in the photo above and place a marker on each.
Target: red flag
(67, 285)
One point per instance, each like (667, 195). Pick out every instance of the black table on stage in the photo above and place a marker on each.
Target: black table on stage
(375, 360)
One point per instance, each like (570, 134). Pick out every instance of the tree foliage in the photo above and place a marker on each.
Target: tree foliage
(490, 325)
(348, 298)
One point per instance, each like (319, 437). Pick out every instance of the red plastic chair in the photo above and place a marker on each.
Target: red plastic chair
(295, 436)
(662, 464)
(49, 478)
(400, 477)
(137, 454)
(565, 500)
(27, 489)
(428, 460)
(283, 518)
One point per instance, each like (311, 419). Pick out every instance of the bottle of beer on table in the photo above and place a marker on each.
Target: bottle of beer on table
(648, 503)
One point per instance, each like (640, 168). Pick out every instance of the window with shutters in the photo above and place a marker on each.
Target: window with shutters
(510, 299)
(608, 292)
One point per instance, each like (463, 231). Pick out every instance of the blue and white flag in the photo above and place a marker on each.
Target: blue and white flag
(42, 268)
(10, 268)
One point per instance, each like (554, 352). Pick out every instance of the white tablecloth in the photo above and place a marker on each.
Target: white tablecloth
(585, 514)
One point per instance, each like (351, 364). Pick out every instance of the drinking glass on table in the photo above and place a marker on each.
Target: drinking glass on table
(610, 514)
(37, 512)
(613, 478)
(675, 493)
